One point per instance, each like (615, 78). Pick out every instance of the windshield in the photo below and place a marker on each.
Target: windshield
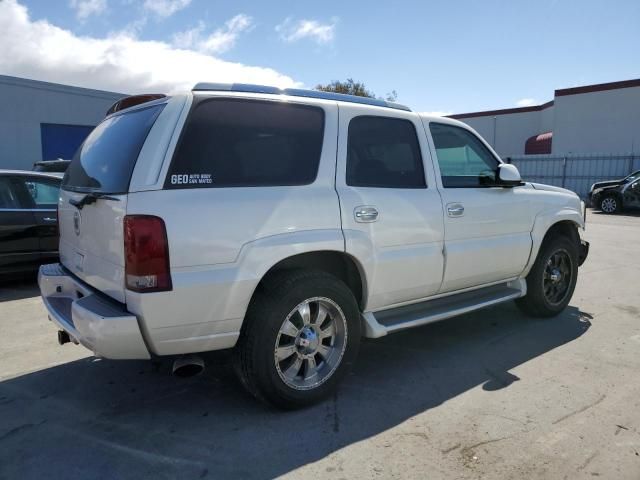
(105, 161)
(633, 176)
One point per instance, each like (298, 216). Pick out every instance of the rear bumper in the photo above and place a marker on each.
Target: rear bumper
(583, 251)
(101, 325)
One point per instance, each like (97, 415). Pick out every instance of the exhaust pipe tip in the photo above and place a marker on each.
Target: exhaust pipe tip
(63, 337)
(188, 366)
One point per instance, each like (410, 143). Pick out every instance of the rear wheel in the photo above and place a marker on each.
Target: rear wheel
(552, 279)
(610, 204)
(299, 339)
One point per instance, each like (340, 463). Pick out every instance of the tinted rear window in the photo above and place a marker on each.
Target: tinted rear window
(105, 161)
(384, 152)
(247, 143)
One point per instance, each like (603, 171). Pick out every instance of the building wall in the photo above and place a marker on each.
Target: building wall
(598, 122)
(28, 103)
(511, 130)
(595, 119)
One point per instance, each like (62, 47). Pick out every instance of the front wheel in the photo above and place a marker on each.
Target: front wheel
(609, 204)
(552, 279)
(300, 337)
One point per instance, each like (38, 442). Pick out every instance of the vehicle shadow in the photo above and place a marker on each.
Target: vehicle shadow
(107, 419)
(17, 287)
(625, 213)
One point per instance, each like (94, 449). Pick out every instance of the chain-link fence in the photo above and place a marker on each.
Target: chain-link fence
(575, 172)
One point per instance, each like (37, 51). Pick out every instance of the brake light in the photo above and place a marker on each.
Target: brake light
(146, 254)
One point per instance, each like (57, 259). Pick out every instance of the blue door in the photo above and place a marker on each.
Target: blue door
(62, 141)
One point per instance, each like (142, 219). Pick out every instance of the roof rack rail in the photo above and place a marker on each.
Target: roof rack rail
(295, 92)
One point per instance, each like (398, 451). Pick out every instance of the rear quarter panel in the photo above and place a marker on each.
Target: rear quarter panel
(221, 243)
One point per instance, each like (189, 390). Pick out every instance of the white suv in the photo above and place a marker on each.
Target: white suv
(287, 224)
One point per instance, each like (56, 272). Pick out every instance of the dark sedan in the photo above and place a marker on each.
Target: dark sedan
(613, 183)
(614, 198)
(28, 219)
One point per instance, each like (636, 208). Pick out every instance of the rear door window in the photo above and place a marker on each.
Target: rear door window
(247, 143)
(384, 153)
(105, 161)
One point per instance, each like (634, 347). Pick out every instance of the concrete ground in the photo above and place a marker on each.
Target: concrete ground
(487, 395)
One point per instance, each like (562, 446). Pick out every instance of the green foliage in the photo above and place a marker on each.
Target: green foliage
(352, 87)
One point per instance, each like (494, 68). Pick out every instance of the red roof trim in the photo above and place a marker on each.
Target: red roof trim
(599, 87)
(504, 111)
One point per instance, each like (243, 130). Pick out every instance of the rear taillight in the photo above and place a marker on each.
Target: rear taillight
(146, 254)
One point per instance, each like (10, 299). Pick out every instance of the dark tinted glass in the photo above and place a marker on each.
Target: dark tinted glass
(384, 152)
(105, 161)
(463, 159)
(8, 195)
(241, 143)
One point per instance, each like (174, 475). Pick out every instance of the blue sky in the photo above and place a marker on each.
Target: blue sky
(439, 56)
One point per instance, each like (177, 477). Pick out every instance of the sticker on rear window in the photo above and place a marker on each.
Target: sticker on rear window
(191, 179)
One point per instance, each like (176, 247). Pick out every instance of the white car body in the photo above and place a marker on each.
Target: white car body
(223, 241)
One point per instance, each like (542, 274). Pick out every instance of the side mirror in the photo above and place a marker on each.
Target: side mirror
(508, 175)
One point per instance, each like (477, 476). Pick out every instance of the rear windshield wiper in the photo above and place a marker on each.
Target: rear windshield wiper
(90, 198)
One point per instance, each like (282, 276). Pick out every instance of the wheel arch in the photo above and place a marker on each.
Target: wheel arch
(339, 264)
(564, 222)
(566, 228)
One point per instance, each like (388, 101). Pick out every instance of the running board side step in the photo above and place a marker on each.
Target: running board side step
(378, 324)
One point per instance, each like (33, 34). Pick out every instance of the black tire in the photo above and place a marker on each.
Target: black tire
(274, 302)
(610, 204)
(537, 303)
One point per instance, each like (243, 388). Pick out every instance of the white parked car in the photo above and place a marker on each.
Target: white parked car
(288, 224)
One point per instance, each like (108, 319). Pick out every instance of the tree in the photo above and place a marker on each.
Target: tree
(351, 87)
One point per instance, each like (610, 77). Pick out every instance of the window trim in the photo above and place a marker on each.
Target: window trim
(421, 157)
(200, 100)
(482, 142)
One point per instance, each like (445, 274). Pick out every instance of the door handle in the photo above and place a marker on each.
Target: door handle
(366, 214)
(455, 210)
(50, 219)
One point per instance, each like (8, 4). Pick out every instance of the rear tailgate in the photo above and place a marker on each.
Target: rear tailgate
(93, 199)
(91, 241)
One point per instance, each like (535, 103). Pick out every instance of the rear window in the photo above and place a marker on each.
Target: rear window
(247, 143)
(105, 161)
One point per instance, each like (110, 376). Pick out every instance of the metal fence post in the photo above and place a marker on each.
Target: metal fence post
(564, 171)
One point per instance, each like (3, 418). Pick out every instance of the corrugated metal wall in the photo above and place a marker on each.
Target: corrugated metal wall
(577, 172)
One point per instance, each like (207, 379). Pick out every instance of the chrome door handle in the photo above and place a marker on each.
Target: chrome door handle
(49, 219)
(455, 210)
(366, 214)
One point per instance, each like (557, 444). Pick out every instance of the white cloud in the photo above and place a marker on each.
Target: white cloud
(436, 113)
(165, 8)
(292, 31)
(526, 102)
(86, 8)
(221, 40)
(118, 62)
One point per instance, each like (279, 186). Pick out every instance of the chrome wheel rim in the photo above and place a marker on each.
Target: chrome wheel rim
(557, 277)
(608, 205)
(310, 343)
